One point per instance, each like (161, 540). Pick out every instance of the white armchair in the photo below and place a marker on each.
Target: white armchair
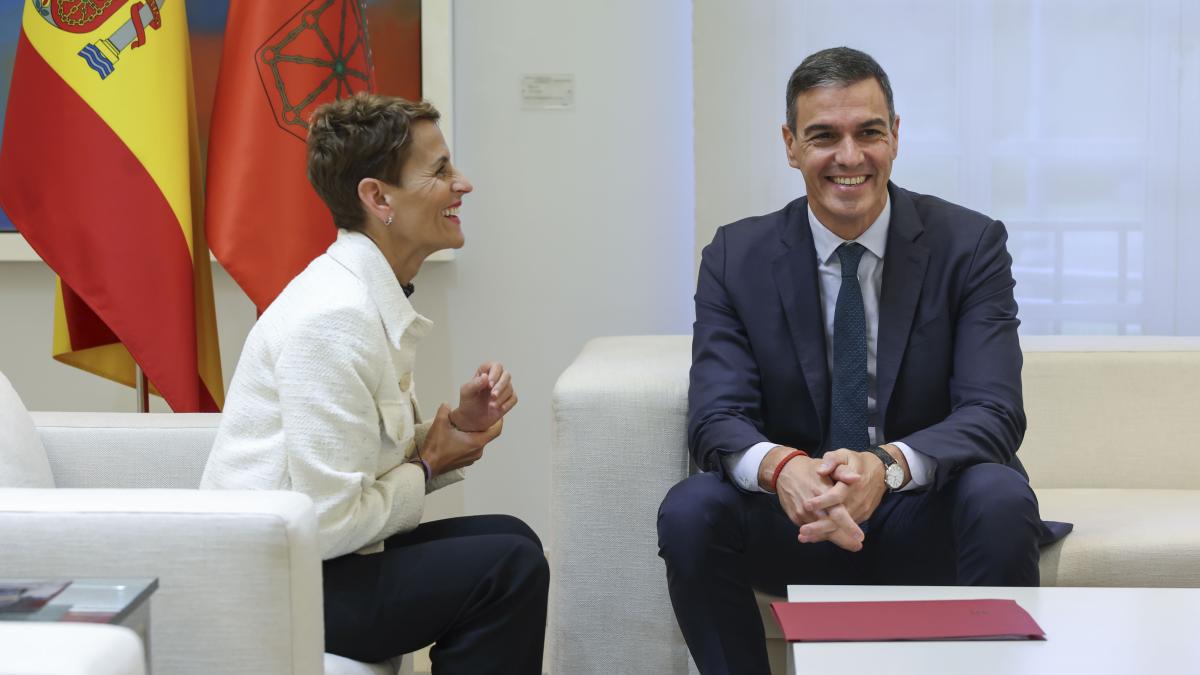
(70, 649)
(239, 571)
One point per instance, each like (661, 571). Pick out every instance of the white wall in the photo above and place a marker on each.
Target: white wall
(582, 221)
(741, 168)
(1189, 165)
(581, 225)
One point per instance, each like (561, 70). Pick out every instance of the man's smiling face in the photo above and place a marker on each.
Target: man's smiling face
(844, 145)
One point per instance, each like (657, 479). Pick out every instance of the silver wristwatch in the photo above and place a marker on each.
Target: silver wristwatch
(893, 473)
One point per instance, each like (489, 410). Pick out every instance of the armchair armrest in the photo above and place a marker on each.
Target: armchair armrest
(619, 444)
(239, 571)
(56, 648)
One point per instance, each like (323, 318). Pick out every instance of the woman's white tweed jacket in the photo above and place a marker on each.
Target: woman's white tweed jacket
(322, 401)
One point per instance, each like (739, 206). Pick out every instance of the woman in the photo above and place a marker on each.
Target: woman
(322, 403)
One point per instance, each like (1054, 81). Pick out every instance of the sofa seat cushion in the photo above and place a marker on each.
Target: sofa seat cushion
(23, 462)
(1140, 538)
(340, 665)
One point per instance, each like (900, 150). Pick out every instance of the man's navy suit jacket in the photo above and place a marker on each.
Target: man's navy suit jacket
(948, 364)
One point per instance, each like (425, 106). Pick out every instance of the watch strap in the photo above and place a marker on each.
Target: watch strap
(888, 462)
(883, 455)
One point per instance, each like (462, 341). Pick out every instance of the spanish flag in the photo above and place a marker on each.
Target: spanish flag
(281, 59)
(100, 172)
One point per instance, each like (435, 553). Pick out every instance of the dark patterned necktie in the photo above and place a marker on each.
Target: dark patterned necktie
(848, 416)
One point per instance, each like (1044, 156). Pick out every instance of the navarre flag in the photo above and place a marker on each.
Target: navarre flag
(281, 59)
(100, 173)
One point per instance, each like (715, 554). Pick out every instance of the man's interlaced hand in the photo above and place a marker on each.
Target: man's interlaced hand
(857, 486)
(798, 483)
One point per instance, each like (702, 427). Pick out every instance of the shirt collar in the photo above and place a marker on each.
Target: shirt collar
(874, 239)
(357, 253)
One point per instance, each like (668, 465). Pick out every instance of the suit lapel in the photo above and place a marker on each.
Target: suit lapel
(795, 272)
(903, 274)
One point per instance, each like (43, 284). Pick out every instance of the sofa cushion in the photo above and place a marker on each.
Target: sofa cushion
(1135, 395)
(127, 449)
(340, 665)
(24, 462)
(1139, 538)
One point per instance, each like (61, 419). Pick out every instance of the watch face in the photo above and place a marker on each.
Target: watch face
(894, 476)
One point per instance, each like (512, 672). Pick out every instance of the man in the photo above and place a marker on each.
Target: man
(855, 399)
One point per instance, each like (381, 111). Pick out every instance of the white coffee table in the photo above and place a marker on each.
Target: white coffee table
(1088, 630)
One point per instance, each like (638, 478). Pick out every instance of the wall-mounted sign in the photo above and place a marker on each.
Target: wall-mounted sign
(548, 92)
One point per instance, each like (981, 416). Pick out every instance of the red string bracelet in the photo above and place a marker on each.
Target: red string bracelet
(779, 467)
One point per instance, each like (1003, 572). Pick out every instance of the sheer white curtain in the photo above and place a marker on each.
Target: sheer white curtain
(1070, 120)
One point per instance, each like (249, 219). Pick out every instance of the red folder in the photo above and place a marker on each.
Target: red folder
(907, 620)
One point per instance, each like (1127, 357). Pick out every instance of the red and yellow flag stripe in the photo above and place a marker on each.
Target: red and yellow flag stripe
(102, 176)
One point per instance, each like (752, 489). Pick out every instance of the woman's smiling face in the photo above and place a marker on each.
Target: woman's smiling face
(425, 203)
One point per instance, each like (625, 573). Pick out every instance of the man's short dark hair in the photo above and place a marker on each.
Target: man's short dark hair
(836, 67)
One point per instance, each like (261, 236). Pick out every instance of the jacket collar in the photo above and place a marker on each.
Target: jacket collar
(403, 325)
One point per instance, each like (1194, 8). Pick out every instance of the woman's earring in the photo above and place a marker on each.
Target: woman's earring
(388, 222)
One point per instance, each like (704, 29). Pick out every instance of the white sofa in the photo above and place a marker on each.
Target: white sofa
(1109, 447)
(239, 571)
(69, 649)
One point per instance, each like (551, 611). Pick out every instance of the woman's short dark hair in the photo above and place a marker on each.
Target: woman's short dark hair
(362, 136)
(836, 67)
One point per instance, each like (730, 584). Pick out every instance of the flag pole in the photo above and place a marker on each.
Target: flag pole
(143, 389)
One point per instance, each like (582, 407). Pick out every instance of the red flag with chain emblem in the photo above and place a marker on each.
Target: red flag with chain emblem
(281, 60)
